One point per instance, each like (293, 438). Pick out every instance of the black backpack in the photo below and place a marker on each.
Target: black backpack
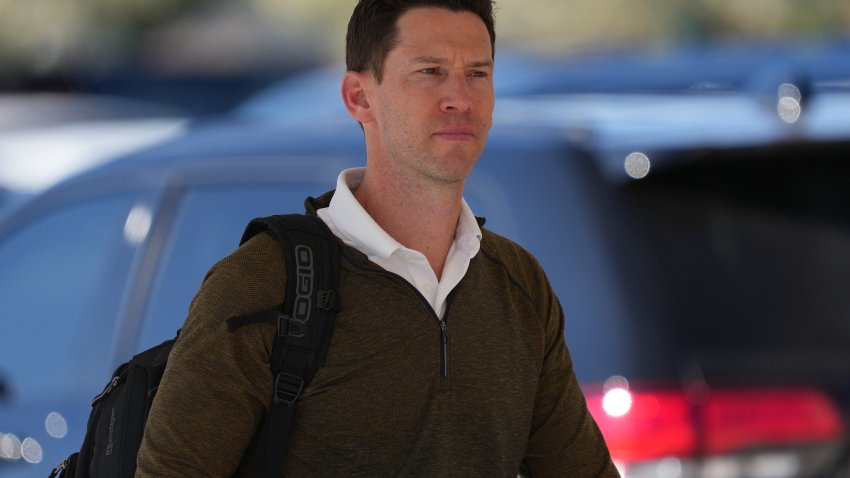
(304, 326)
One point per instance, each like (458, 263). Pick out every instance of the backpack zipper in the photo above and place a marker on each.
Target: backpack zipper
(106, 391)
(61, 467)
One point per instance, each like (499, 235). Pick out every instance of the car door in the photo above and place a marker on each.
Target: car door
(65, 264)
(209, 218)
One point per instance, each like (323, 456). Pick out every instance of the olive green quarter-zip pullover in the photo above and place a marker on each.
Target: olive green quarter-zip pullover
(487, 391)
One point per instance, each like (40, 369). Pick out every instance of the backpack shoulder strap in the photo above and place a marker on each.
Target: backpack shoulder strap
(304, 324)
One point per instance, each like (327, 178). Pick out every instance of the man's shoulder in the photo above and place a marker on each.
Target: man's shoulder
(249, 279)
(260, 256)
(515, 260)
(499, 248)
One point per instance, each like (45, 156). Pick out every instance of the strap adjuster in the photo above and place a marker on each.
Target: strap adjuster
(287, 388)
(328, 300)
(289, 327)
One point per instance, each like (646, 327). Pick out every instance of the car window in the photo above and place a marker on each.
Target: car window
(62, 278)
(757, 267)
(208, 227)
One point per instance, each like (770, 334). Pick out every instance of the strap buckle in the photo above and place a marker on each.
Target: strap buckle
(287, 388)
(289, 327)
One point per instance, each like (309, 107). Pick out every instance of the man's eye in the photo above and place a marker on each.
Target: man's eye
(479, 74)
(428, 71)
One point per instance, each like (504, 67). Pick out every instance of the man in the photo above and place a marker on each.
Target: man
(395, 397)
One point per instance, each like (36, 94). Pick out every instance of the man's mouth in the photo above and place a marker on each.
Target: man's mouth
(455, 134)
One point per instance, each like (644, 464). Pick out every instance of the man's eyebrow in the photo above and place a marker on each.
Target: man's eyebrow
(428, 59)
(482, 64)
(441, 61)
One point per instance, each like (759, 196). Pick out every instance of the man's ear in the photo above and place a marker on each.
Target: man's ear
(354, 88)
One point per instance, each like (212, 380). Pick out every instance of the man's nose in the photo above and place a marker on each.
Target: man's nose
(457, 95)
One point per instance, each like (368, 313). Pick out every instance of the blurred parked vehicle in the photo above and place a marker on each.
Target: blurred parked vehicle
(689, 69)
(9, 199)
(751, 69)
(699, 243)
(46, 137)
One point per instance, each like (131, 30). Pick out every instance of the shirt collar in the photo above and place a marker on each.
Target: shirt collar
(356, 227)
(468, 234)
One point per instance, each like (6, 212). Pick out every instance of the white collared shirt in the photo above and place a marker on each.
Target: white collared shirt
(347, 219)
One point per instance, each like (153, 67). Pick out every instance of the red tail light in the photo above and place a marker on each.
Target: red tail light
(736, 419)
(666, 423)
(657, 424)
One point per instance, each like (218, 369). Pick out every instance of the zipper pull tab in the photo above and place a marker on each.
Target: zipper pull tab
(106, 391)
(61, 467)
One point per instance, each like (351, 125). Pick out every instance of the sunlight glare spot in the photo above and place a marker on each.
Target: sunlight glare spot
(31, 451)
(789, 109)
(138, 224)
(56, 425)
(10, 446)
(637, 165)
(617, 402)
(789, 90)
(616, 381)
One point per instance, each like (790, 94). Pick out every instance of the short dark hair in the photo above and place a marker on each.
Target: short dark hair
(373, 28)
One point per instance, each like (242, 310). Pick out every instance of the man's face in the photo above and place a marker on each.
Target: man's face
(434, 105)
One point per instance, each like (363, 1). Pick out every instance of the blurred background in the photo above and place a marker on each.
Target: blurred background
(71, 70)
(681, 168)
(204, 56)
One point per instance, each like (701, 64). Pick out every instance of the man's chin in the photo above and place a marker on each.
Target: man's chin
(452, 170)
(460, 152)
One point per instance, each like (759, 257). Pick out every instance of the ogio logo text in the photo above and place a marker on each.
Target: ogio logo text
(304, 283)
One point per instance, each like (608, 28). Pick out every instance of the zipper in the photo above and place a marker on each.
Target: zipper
(106, 391)
(444, 331)
(61, 467)
(443, 382)
(444, 349)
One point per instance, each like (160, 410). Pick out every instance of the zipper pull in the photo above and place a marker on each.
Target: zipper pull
(444, 345)
(106, 391)
(60, 467)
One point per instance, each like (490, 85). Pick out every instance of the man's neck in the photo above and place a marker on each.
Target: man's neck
(420, 215)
